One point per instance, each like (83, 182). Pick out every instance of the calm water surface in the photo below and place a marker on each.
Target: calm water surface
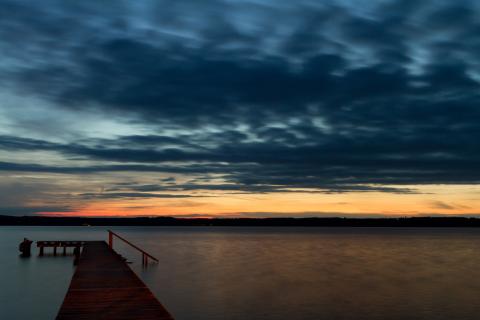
(267, 273)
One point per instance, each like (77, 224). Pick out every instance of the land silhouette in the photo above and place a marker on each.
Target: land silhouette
(254, 222)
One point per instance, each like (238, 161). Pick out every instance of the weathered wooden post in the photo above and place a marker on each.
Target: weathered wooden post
(76, 253)
(110, 239)
(25, 247)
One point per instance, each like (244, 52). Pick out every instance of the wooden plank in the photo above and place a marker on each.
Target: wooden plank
(104, 287)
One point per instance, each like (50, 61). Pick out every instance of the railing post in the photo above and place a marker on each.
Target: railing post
(110, 239)
(145, 255)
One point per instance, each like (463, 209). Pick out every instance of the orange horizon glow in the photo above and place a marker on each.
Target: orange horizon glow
(437, 199)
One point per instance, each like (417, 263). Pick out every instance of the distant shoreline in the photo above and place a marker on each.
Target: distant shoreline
(445, 222)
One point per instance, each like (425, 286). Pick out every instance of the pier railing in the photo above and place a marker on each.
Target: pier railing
(145, 255)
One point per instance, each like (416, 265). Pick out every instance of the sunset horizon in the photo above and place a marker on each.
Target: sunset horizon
(342, 109)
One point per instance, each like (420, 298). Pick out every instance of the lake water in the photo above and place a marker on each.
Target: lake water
(267, 273)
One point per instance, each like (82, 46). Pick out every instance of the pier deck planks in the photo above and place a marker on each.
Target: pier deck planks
(104, 287)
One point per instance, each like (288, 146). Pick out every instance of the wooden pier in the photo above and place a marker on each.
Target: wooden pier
(105, 288)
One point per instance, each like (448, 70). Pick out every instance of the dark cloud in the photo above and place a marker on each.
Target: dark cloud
(192, 169)
(442, 205)
(325, 98)
(447, 206)
(240, 187)
(131, 195)
(31, 210)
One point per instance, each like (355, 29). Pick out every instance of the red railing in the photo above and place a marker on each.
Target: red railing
(145, 255)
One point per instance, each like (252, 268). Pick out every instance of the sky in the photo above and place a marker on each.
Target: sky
(239, 108)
